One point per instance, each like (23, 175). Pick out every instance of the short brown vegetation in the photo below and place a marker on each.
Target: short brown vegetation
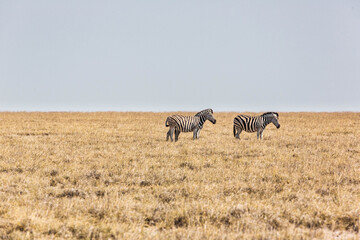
(113, 175)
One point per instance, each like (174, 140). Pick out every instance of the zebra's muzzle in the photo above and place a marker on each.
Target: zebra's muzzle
(214, 121)
(278, 126)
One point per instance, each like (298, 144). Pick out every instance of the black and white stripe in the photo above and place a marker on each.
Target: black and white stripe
(179, 123)
(254, 124)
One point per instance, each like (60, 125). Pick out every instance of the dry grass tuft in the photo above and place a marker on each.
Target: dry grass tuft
(113, 176)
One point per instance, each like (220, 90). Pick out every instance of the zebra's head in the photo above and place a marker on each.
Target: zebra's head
(275, 119)
(206, 114)
(272, 117)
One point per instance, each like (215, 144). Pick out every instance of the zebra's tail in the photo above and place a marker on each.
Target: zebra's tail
(166, 122)
(234, 131)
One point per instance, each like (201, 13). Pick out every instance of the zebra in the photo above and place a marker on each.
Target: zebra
(254, 124)
(193, 124)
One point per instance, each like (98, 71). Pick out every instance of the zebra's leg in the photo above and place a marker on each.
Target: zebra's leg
(260, 133)
(168, 135)
(198, 134)
(237, 134)
(177, 133)
(171, 132)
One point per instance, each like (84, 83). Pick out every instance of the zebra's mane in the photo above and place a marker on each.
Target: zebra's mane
(267, 113)
(203, 111)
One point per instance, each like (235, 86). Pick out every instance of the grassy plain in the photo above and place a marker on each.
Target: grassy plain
(113, 175)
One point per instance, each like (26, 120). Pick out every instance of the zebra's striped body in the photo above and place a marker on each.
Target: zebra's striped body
(254, 124)
(179, 123)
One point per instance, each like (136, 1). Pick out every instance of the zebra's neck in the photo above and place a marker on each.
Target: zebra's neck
(267, 120)
(202, 121)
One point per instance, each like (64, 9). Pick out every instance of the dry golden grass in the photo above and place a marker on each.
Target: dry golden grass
(113, 175)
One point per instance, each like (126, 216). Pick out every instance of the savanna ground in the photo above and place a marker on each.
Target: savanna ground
(113, 175)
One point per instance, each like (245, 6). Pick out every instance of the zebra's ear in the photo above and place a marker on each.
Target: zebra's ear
(211, 110)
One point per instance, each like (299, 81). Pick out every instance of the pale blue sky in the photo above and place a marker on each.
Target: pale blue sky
(180, 55)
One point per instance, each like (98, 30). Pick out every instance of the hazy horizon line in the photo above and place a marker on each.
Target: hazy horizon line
(167, 111)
